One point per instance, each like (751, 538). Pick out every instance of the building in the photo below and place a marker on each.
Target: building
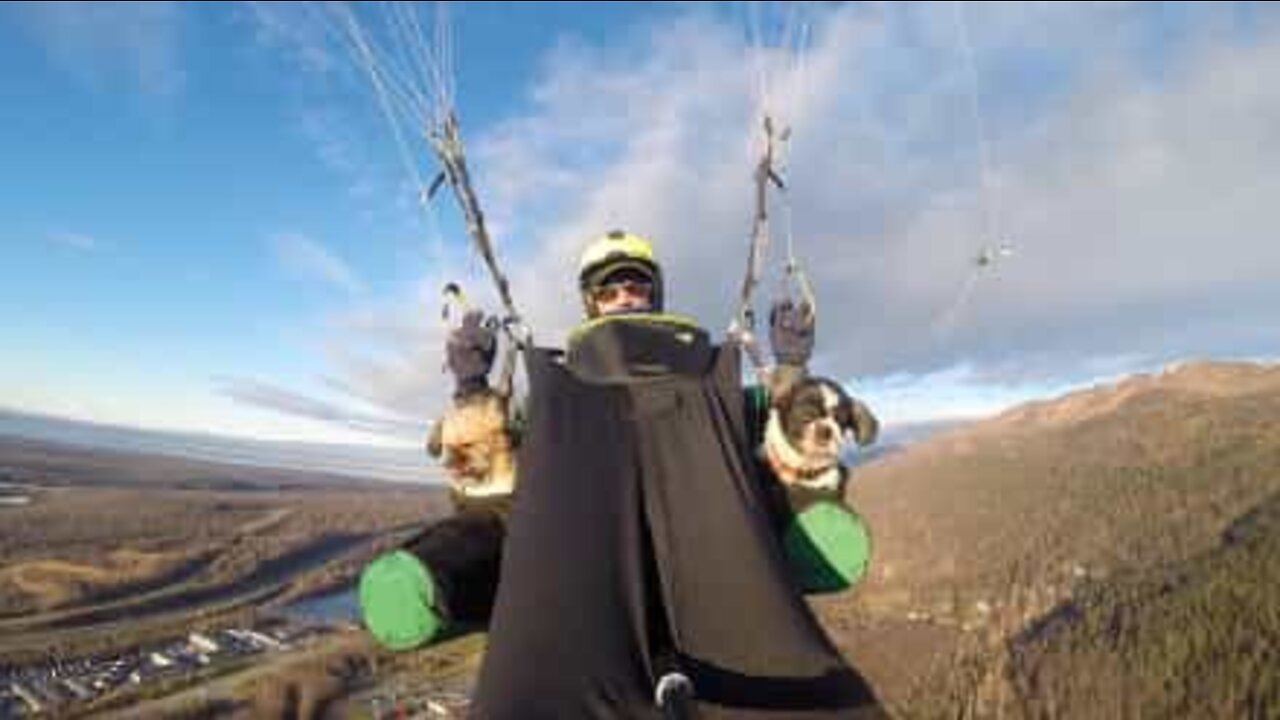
(203, 643)
(265, 641)
(77, 688)
(253, 641)
(33, 701)
(10, 706)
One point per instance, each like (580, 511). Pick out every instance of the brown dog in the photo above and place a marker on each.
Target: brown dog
(475, 441)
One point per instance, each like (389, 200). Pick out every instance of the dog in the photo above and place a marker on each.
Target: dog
(476, 444)
(811, 418)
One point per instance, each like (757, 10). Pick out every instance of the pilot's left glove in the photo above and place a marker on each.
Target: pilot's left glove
(470, 351)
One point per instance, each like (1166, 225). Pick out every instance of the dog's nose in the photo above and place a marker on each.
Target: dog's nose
(823, 433)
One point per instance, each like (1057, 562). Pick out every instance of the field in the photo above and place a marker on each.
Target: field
(109, 541)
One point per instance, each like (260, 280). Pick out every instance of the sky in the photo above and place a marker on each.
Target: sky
(210, 223)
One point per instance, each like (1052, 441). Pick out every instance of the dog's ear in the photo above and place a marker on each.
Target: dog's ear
(866, 428)
(842, 396)
(435, 438)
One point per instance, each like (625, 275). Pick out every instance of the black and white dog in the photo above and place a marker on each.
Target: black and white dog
(809, 423)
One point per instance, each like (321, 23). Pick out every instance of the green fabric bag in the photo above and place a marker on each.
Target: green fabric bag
(397, 597)
(828, 547)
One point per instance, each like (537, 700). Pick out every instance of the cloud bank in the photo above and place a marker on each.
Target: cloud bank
(1126, 151)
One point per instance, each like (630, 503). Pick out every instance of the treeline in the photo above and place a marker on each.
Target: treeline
(1199, 638)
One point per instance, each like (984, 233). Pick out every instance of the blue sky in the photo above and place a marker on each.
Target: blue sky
(205, 223)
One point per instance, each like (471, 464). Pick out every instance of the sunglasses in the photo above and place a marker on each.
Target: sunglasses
(613, 291)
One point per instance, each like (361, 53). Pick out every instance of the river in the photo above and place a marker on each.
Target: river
(341, 605)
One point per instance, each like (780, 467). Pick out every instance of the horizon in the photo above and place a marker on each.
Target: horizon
(408, 463)
(212, 227)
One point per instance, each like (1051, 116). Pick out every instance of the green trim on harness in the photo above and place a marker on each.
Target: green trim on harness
(397, 596)
(652, 318)
(828, 547)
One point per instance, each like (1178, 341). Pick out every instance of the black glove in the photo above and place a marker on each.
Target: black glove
(791, 332)
(470, 351)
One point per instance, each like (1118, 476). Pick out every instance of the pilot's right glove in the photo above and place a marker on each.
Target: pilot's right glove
(791, 332)
(469, 353)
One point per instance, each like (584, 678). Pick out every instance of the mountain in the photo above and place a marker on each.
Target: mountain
(1150, 469)
(983, 531)
(897, 438)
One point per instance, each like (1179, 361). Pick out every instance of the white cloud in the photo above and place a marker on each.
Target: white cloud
(1131, 166)
(1138, 203)
(292, 28)
(339, 152)
(963, 391)
(339, 114)
(75, 241)
(392, 356)
(282, 400)
(307, 256)
(98, 41)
